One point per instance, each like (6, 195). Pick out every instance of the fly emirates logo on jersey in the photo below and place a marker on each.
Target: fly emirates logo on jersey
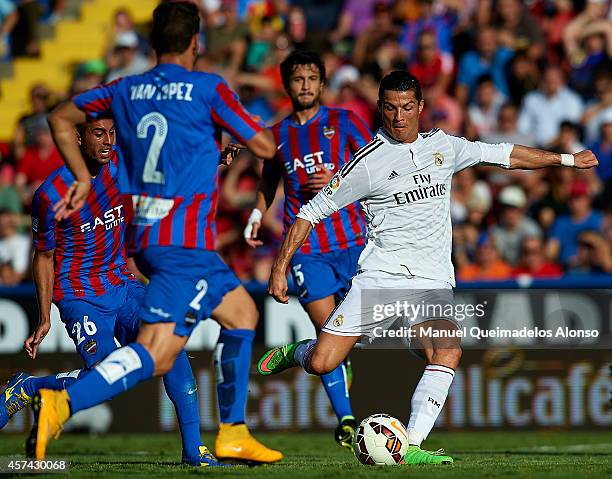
(110, 219)
(424, 188)
(308, 162)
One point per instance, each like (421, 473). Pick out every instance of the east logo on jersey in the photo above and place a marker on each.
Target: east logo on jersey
(328, 140)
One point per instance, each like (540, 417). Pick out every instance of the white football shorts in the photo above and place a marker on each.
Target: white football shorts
(377, 299)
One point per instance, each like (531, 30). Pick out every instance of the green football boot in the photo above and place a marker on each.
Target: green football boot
(278, 359)
(416, 455)
(345, 432)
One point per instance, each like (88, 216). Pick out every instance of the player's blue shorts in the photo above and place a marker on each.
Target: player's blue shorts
(185, 285)
(317, 276)
(94, 323)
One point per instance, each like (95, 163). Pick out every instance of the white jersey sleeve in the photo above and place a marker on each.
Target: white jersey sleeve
(350, 184)
(472, 153)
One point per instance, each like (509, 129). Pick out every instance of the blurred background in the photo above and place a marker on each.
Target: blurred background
(537, 72)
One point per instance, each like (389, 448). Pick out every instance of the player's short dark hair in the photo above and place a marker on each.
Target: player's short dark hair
(399, 80)
(174, 25)
(104, 116)
(301, 57)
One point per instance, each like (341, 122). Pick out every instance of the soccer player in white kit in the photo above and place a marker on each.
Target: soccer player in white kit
(403, 181)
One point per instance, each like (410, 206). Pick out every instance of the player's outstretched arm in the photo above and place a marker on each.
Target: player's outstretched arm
(44, 275)
(63, 121)
(526, 158)
(262, 144)
(266, 191)
(297, 234)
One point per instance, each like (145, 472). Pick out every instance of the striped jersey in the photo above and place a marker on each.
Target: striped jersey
(169, 122)
(328, 140)
(405, 189)
(89, 257)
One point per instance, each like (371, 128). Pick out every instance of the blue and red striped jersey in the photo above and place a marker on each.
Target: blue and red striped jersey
(89, 256)
(327, 140)
(169, 122)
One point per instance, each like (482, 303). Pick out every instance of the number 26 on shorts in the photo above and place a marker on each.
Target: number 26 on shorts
(89, 327)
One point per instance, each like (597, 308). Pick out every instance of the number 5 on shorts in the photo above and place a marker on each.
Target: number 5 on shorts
(299, 276)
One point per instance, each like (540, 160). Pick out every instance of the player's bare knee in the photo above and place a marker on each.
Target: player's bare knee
(245, 318)
(449, 357)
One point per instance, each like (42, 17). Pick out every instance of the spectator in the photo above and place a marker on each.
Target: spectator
(440, 111)
(9, 196)
(506, 130)
(354, 19)
(514, 225)
(29, 124)
(603, 150)
(522, 76)
(483, 113)
(226, 40)
(14, 250)
(321, 18)
(125, 58)
(488, 265)
(346, 95)
(25, 34)
(595, 56)
(554, 203)
(380, 28)
(591, 21)
(554, 18)
(568, 140)
(520, 28)
(8, 19)
(488, 58)
(38, 162)
(544, 110)
(432, 67)
(468, 192)
(441, 21)
(532, 261)
(599, 107)
(593, 255)
(563, 243)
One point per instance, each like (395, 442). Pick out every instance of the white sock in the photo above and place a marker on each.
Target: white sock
(303, 353)
(427, 401)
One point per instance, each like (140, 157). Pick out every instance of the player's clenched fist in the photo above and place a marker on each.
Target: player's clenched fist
(252, 228)
(585, 159)
(277, 286)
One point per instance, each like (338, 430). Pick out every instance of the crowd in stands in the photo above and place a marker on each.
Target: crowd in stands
(537, 73)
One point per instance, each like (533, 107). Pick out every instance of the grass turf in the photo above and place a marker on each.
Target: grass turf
(557, 454)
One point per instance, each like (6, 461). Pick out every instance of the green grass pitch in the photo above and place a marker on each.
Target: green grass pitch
(558, 454)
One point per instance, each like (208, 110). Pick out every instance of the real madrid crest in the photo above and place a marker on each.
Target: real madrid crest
(329, 132)
(438, 158)
(339, 320)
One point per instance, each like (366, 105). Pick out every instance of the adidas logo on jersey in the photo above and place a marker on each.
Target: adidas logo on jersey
(394, 174)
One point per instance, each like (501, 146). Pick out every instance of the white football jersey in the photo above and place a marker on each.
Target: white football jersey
(404, 190)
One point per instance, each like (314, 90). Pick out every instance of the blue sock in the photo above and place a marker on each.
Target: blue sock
(232, 365)
(182, 390)
(119, 371)
(337, 391)
(33, 384)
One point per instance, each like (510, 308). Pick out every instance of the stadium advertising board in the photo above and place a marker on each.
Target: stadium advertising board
(515, 384)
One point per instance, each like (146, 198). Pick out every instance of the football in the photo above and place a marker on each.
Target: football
(380, 440)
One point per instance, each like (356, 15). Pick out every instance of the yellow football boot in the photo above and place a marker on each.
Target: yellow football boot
(51, 411)
(234, 442)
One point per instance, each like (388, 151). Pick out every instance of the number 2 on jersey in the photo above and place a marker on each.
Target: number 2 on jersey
(160, 127)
